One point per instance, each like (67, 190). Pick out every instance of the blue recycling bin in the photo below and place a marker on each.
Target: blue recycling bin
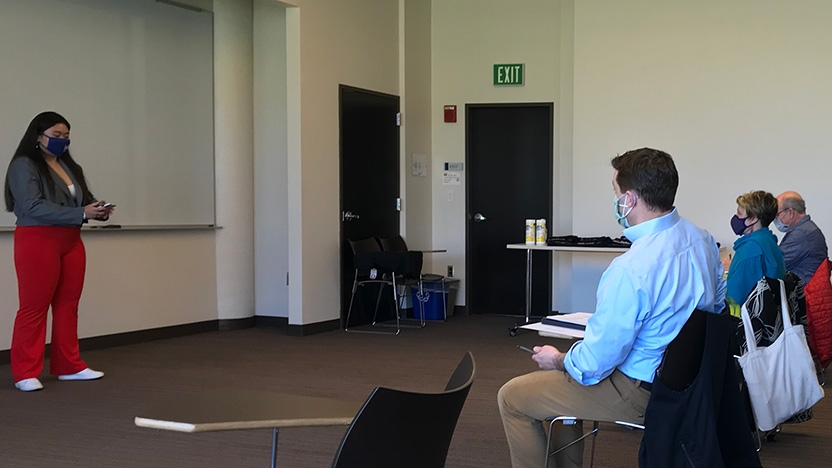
(432, 296)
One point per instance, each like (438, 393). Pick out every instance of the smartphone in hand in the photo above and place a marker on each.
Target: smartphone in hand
(526, 349)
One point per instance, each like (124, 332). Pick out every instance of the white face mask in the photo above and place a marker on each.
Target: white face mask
(617, 206)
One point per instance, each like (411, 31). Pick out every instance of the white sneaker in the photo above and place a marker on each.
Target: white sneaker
(86, 374)
(28, 385)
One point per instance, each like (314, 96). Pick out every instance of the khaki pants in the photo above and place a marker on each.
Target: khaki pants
(526, 401)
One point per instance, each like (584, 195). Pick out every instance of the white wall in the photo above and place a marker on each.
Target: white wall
(416, 125)
(271, 211)
(135, 280)
(233, 153)
(353, 43)
(738, 93)
(468, 37)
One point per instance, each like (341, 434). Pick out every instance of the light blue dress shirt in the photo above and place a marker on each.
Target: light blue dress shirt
(645, 297)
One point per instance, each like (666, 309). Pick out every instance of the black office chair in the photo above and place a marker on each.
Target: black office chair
(375, 267)
(398, 244)
(404, 429)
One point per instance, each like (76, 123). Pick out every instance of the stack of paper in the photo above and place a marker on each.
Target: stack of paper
(561, 326)
(576, 320)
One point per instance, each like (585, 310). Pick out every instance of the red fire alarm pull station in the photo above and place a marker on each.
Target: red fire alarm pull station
(450, 113)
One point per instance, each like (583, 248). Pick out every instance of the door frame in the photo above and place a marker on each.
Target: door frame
(468, 209)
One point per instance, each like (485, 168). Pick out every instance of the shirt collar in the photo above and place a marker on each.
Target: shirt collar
(633, 233)
(802, 220)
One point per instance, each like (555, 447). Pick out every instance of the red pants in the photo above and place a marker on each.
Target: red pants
(50, 263)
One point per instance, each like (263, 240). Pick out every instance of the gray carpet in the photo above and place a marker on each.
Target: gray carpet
(90, 424)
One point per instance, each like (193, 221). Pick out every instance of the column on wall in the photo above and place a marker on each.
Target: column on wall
(233, 139)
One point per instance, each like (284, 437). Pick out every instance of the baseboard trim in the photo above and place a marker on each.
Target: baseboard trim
(176, 331)
(314, 328)
(135, 337)
(236, 324)
(271, 322)
(142, 336)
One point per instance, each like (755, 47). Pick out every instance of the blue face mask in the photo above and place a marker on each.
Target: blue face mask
(780, 226)
(56, 146)
(617, 206)
(738, 225)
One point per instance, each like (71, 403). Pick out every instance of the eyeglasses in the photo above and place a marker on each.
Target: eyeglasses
(782, 211)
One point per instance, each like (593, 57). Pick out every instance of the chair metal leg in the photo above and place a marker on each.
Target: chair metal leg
(421, 303)
(569, 420)
(355, 286)
(415, 299)
(378, 302)
(397, 305)
(352, 299)
(444, 301)
(421, 320)
(274, 447)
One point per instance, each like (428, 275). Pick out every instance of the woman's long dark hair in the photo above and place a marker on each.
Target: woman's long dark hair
(29, 148)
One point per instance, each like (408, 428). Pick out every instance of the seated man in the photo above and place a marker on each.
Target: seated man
(643, 300)
(803, 246)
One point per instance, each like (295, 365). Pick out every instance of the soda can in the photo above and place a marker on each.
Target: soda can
(540, 232)
(530, 231)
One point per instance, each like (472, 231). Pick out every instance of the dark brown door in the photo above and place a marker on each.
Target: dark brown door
(369, 134)
(508, 179)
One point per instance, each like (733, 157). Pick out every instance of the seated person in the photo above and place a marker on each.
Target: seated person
(756, 253)
(803, 246)
(644, 298)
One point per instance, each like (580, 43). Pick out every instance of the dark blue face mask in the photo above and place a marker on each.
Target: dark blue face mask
(56, 146)
(738, 225)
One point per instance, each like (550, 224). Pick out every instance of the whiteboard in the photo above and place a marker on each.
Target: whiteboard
(135, 80)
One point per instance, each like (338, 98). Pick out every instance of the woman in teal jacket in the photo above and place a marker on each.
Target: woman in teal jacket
(756, 253)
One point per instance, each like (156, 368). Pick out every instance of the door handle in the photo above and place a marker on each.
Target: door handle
(478, 218)
(348, 216)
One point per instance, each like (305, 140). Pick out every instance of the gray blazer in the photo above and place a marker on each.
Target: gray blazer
(34, 205)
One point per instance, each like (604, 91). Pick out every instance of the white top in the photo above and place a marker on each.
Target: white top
(71, 188)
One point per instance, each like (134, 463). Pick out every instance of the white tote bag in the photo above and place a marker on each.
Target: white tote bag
(781, 378)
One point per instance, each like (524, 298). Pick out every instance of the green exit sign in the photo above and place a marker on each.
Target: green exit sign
(508, 74)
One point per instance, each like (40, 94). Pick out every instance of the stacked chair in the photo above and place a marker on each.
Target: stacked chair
(399, 269)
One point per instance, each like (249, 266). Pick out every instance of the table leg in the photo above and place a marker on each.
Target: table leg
(274, 447)
(528, 284)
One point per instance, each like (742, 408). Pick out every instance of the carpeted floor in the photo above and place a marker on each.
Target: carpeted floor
(90, 424)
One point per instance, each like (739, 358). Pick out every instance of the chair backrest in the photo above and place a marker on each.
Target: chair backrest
(683, 356)
(367, 245)
(405, 429)
(393, 244)
(696, 402)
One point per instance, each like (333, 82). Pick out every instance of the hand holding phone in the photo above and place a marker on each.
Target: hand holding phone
(526, 349)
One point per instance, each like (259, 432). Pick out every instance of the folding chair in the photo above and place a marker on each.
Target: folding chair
(375, 267)
(398, 244)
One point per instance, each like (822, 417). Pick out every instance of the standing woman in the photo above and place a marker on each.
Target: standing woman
(46, 190)
(756, 253)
